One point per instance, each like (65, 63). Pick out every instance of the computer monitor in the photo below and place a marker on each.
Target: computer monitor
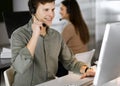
(108, 67)
(4, 40)
(13, 20)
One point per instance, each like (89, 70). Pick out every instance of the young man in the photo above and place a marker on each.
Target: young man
(36, 48)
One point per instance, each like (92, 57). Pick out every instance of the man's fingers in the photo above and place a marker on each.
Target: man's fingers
(88, 74)
(83, 76)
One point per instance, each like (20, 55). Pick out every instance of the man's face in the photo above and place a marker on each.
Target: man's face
(45, 13)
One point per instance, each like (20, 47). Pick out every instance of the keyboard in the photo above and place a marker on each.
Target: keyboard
(82, 82)
(89, 83)
(69, 80)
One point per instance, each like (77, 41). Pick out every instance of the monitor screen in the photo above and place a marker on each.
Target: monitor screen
(4, 40)
(13, 20)
(108, 67)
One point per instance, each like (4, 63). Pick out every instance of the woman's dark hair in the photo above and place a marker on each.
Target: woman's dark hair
(33, 4)
(76, 19)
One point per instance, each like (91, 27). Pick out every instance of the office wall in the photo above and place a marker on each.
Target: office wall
(88, 11)
(107, 11)
(20, 5)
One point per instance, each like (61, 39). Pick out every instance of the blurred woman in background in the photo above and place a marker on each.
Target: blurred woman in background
(75, 33)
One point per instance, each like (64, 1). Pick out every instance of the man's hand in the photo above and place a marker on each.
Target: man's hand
(38, 27)
(89, 73)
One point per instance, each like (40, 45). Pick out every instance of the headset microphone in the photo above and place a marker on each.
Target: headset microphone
(44, 25)
(60, 19)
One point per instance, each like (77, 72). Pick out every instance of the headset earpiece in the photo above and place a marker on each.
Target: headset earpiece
(33, 10)
(31, 7)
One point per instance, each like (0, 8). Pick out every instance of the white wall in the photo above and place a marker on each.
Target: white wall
(88, 12)
(107, 11)
(20, 5)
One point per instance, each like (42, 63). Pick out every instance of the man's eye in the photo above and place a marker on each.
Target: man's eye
(53, 10)
(46, 9)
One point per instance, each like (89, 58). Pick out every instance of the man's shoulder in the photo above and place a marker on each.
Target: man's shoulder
(51, 30)
(20, 30)
(54, 33)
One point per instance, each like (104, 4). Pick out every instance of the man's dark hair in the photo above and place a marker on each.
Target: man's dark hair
(33, 4)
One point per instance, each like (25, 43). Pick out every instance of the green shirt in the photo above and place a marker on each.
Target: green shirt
(31, 71)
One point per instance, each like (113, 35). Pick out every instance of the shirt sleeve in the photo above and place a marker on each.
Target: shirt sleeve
(68, 59)
(21, 57)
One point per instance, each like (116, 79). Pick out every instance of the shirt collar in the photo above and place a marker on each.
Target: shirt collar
(29, 26)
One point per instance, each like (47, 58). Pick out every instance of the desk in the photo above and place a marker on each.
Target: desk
(68, 80)
(5, 62)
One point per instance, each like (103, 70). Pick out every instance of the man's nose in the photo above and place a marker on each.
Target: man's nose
(51, 13)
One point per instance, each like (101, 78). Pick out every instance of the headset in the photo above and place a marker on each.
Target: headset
(32, 8)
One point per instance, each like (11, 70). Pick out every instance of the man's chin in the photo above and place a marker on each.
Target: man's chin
(49, 23)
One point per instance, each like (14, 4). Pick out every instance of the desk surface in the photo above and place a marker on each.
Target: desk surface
(68, 80)
(5, 62)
